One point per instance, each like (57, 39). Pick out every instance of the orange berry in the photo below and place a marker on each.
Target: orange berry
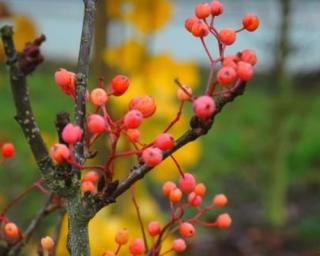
(230, 61)
(11, 230)
(47, 243)
(133, 135)
(244, 71)
(249, 56)
(223, 221)
(99, 97)
(200, 189)
(88, 186)
(7, 150)
(216, 8)
(108, 253)
(59, 153)
(182, 95)
(226, 75)
(187, 230)
(66, 81)
(167, 187)
(250, 22)
(194, 200)
(175, 195)
(202, 10)
(220, 200)
(164, 141)
(199, 29)
(227, 36)
(91, 176)
(179, 245)
(154, 228)
(122, 236)
(120, 84)
(133, 119)
(189, 23)
(145, 104)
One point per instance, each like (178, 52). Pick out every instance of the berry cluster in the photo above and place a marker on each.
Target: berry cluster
(182, 196)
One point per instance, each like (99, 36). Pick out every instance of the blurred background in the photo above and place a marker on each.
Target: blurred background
(263, 151)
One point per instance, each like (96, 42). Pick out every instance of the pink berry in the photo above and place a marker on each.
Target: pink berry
(59, 153)
(96, 124)
(244, 71)
(203, 10)
(7, 150)
(66, 81)
(227, 36)
(216, 8)
(167, 187)
(154, 228)
(91, 176)
(99, 97)
(152, 156)
(226, 75)
(133, 135)
(136, 247)
(187, 182)
(71, 133)
(179, 245)
(47, 243)
(145, 104)
(186, 229)
(164, 141)
(189, 23)
(249, 56)
(194, 200)
(203, 107)
(120, 84)
(133, 119)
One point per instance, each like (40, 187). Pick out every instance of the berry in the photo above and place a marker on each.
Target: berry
(122, 236)
(187, 183)
(47, 243)
(154, 228)
(230, 61)
(136, 247)
(120, 84)
(220, 200)
(108, 253)
(223, 221)
(244, 71)
(8, 150)
(99, 97)
(200, 189)
(11, 230)
(164, 141)
(203, 107)
(71, 133)
(59, 153)
(179, 245)
(182, 95)
(133, 135)
(175, 195)
(194, 200)
(88, 186)
(202, 10)
(248, 56)
(189, 23)
(91, 176)
(227, 36)
(167, 187)
(133, 119)
(152, 156)
(145, 104)
(226, 75)
(199, 29)
(186, 229)
(96, 124)
(250, 22)
(216, 8)
(66, 81)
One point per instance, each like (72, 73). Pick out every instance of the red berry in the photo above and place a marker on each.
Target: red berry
(189, 23)
(154, 228)
(200, 189)
(152, 156)
(175, 195)
(220, 200)
(96, 124)
(66, 81)
(120, 84)
(167, 187)
(71, 133)
(136, 247)
(122, 236)
(133, 135)
(91, 176)
(227, 36)
(216, 8)
(249, 56)
(203, 107)
(145, 104)
(164, 141)
(47, 243)
(8, 150)
(186, 229)
(223, 221)
(187, 182)
(182, 95)
(202, 10)
(199, 29)
(230, 61)
(11, 230)
(194, 200)
(99, 97)
(88, 186)
(244, 71)
(59, 153)
(226, 75)
(133, 119)
(179, 245)
(250, 22)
